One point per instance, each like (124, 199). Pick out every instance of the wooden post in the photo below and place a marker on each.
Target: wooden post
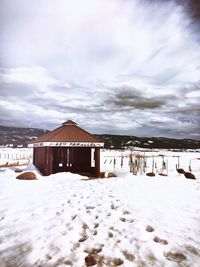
(190, 167)
(49, 161)
(153, 164)
(122, 158)
(34, 155)
(97, 162)
(167, 166)
(114, 162)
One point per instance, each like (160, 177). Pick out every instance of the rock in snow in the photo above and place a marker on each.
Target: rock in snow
(189, 175)
(26, 176)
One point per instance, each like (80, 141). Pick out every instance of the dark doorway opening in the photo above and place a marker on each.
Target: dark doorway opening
(72, 159)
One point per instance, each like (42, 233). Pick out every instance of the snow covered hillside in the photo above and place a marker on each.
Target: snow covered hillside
(128, 220)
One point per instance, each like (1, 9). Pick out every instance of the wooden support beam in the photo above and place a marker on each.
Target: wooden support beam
(97, 162)
(34, 155)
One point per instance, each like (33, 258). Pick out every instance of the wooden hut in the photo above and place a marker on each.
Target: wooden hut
(67, 149)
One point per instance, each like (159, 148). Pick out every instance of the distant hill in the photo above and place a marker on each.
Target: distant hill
(20, 137)
(124, 141)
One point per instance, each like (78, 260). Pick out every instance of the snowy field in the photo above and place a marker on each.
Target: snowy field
(129, 220)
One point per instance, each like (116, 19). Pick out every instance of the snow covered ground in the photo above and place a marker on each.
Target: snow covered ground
(129, 220)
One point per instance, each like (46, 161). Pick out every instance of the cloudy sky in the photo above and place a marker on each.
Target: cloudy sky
(117, 66)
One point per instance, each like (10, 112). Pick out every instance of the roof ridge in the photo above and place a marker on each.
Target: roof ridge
(54, 132)
(66, 133)
(86, 132)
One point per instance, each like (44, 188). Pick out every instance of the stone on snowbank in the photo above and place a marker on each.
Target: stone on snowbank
(27, 176)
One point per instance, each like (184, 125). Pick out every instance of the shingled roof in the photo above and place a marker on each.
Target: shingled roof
(68, 132)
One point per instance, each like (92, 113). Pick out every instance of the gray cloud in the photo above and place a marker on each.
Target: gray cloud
(111, 66)
(16, 90)
(131, 99)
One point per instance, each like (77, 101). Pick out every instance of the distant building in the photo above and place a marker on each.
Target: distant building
(67, 149)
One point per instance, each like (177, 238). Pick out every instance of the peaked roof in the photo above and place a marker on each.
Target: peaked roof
(68, 132)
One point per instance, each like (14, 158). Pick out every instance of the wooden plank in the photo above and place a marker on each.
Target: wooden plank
(97, 162)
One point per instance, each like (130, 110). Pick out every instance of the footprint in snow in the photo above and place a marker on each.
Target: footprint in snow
(95, 232)
(149, 228)
(110, 234)
(75, 246)
(113, 207)
(68, 263)
(68, 225)
(160, 241)
(83, 238)
(114, 229)
(48, 257)
(94, 250)
(99, 211)
(85, 226)
(129, 256)
(192, 250)
(91, 259)
(175, 256)
(89, 207)
(96, 225)
(113, 261)
(126, 212)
